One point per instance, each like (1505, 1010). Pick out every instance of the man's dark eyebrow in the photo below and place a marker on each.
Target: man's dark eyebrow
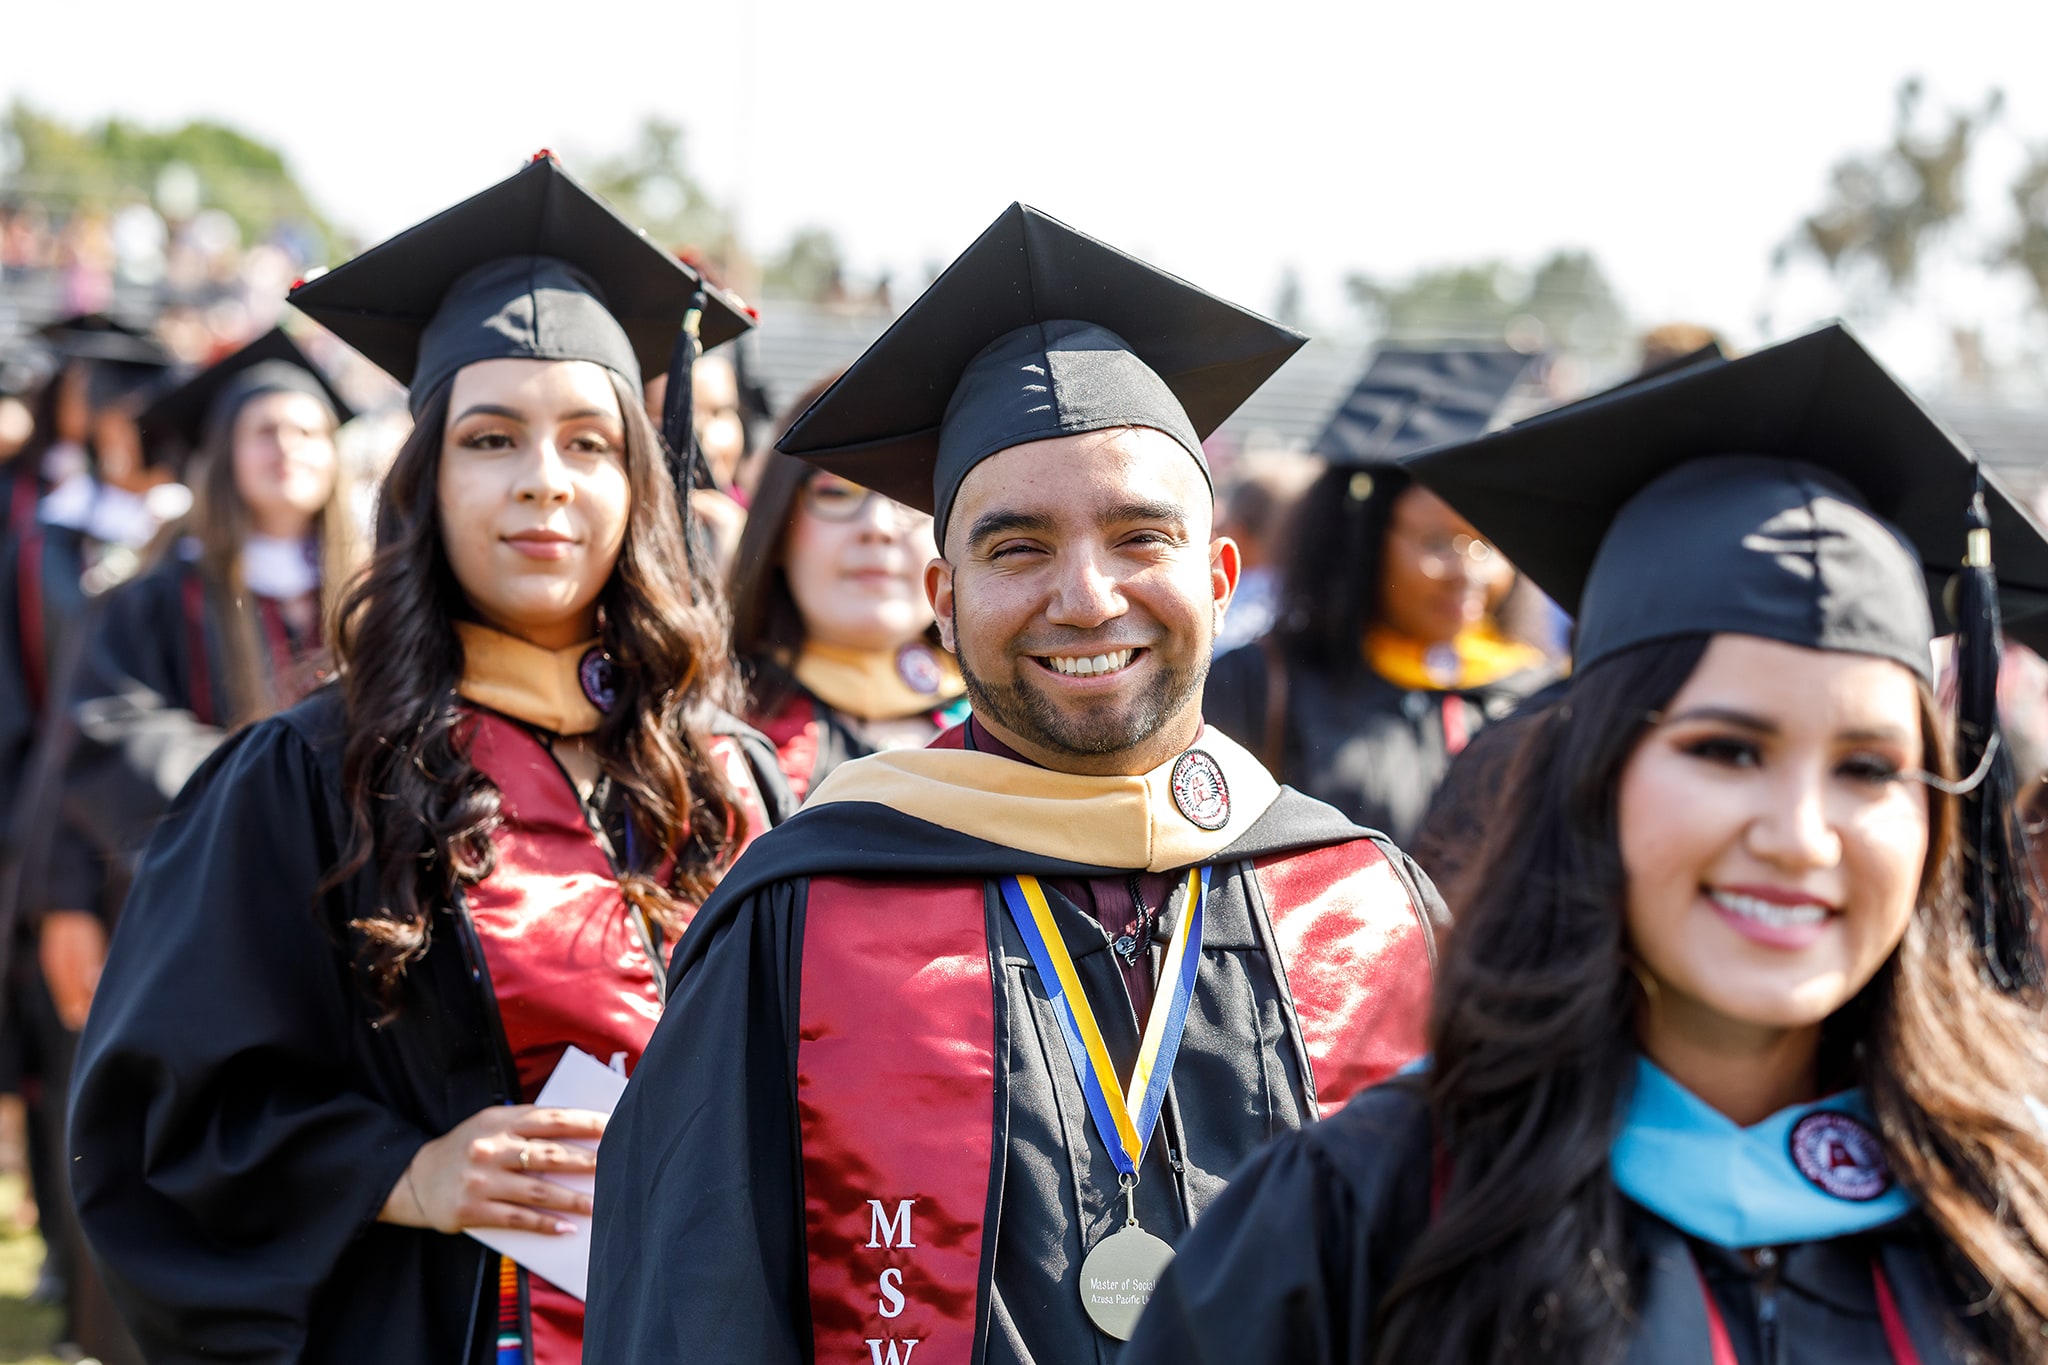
(1170, 512)
(991, 524)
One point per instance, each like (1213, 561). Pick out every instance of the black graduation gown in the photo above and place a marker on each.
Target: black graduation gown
(135, 727)
(1373, 750)
(42, 604)
(687, 1266)
(1289, 1266)
(238, 1118)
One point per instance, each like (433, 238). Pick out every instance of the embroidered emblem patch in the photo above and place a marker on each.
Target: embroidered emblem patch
(1841, 1156)
(1199, 791)
(919, 669)
(598, 678)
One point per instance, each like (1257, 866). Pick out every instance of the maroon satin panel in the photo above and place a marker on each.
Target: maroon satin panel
(566, 963)
(793, 730)
(1357, 963)
(896, 1094)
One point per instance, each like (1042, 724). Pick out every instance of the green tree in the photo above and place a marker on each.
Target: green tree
(100, 165)
(811, 267)
(1567, 300)
(652, 185)
(1886, 210)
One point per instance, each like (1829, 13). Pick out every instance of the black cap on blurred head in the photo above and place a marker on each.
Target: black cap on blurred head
(179, 422)
(1799, 493)
(1413, 398)
(122, 361)
(1035, 331)
(535, 267)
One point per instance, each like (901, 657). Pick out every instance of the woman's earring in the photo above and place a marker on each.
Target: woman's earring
(1646, 982)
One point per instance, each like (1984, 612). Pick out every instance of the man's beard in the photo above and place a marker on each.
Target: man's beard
(1024, 709)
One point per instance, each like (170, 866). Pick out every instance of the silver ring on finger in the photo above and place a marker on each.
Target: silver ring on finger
(525, 1156)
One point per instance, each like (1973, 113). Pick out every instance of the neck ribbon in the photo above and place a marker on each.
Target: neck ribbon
(1125, 1122)
(1805, 1174)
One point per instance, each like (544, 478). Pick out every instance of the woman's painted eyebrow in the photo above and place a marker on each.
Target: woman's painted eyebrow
(1763, 726)
(500, 410)
(491, 410)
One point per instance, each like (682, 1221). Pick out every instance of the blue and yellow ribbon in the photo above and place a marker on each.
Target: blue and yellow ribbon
(1125, 1121)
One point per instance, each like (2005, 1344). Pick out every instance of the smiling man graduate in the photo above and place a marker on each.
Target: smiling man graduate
(955, 1056)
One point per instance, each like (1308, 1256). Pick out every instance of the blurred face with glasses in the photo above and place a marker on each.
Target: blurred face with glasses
(1439, 577)
(855, 563)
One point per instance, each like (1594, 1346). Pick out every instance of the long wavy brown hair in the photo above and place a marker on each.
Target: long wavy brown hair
(218, 523)
(1533, 1037)
(421, 810)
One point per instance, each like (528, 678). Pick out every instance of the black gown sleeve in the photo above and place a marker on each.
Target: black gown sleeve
(127, 738)
(1288, 1266)
(698, 1250)
(225, 1153)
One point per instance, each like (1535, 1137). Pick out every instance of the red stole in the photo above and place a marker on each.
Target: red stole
(1356, 962)
(566, 963)
(896, 1074)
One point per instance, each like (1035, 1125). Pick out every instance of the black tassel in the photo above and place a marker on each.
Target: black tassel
(1998, 876)
(679, 429)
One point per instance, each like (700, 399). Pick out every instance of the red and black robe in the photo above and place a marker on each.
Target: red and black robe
(857, 1127)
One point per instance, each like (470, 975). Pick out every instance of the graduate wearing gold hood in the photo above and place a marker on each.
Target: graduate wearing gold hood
(992, 1021)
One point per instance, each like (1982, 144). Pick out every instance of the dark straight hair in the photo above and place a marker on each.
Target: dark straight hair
(420, 809)
(1533, 1042)
(1330, 585)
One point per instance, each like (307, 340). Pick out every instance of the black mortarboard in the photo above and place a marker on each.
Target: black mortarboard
(179, 422)
(535, 267)
(1413, 398)
(1035, 331)
(1840, 536)
(122, 360)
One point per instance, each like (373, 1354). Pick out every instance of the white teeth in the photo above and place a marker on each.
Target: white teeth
(1088, 665)
(1769, 912)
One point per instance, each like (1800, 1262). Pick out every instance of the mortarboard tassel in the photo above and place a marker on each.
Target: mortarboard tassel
(1998, 876)
(679, 427)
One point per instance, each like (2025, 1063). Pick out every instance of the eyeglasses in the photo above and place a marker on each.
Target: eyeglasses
(1439, 554)
(831, 498)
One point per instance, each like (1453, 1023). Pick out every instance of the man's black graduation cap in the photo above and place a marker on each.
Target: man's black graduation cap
(1413, 398)
(1616, 507)
(123, 360)
(178, 423)
(1035, 331)
(534, 267)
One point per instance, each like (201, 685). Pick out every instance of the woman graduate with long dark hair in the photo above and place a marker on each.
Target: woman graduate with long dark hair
(371, 927)
(831, 623)
(1736, 1055)
(224, 626)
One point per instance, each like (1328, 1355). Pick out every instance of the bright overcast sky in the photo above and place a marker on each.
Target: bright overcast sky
(1680, 142)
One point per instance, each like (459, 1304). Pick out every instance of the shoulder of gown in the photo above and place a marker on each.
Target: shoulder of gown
(1289, 1264)
(226, 1152)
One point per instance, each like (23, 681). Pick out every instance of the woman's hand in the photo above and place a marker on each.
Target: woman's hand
(486, 1172)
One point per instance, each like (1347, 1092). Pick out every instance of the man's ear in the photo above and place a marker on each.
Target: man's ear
(938, 587)
(1226, 565)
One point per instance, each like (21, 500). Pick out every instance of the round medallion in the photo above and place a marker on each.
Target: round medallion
(598, 678)
(1118, 1278)
(1199, 791)
(1840, 1156)
(919, 669)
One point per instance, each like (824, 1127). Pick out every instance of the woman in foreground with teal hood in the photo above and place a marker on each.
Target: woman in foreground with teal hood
(1736, 1050)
